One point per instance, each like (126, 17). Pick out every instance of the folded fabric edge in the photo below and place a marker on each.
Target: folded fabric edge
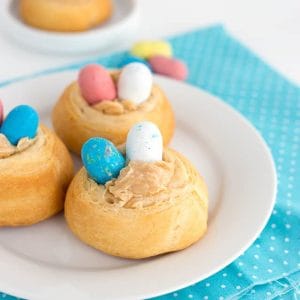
(292, 282)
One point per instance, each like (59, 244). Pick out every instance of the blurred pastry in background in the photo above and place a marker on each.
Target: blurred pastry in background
(107, 104)
(67, 15)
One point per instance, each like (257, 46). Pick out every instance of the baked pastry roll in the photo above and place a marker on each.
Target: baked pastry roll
(66, 15)
(151, 208)
(76, 120)
(34, 176)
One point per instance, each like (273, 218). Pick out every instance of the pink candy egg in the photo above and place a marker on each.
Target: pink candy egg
(1, 112)
(169, 67)
(96, 84)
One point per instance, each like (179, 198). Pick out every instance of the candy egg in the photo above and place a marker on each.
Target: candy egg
(169, 67)
(135, 83)
(1, 111)
(144, 143)
(96, 84)
(146, 49)
(22, 121)
(102, 159)
(131, 58)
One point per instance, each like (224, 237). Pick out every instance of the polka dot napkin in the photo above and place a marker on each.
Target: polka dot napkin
(270, 268)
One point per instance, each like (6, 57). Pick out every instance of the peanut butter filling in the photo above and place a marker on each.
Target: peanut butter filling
(142, 184)
(7, 149)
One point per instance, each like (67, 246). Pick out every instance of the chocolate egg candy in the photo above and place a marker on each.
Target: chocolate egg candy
(144, 143)
(102, 159)
(96, 84)
(135, 83)
(146, 49)
(171, 67)
(21, 122)
(1, 112)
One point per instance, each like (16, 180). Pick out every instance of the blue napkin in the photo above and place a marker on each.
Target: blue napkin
(221, 65)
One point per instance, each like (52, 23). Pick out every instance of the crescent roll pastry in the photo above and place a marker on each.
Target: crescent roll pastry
(76, 120)
(34, 176)
(149, 209)
(66, 15)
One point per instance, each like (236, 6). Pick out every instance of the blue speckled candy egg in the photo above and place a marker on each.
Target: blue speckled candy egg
(102, 159)
(21, 122)
(131, 58)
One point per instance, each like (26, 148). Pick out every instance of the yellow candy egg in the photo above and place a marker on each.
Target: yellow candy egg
(146, 49)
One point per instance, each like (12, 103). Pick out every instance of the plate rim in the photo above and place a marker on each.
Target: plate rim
(267, 152)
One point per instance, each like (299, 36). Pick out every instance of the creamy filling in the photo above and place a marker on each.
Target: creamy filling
(143, 184)
(7, 149)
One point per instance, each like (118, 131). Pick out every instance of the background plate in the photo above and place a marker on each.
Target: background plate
(45, 261)
(120, 28)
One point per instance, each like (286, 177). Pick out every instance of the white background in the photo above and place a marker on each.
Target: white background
(269, 27)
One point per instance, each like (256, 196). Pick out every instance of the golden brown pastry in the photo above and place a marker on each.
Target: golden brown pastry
(150, 209)
(65, 15)
(34, 178)
(75, 120)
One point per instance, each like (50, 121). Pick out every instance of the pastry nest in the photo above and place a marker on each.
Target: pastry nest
(150, 209)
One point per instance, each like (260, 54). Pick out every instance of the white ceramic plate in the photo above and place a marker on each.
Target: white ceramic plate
(46, 261)
(118, 29)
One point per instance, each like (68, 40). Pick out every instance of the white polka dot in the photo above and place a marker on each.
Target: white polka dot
(272, 248)
(221, 298)
(224, 274)
(205, 297)
(288, 212)
(190, 296)
(254, 276)
(286, 239)
(274, 212)
(285, 262)
(239, 274)
(207, 284)
(270, 271)
(273, 225)
(268, 293)
(284, 274)
(241, 263)
(286, 251)
(289, 204)
(238, 287)
(270, 260)
(256, 256)
(223, 286)
(252, 291)
(175, 294)
(289, 195)
(273, 238)
(257, 246)
(287, 226)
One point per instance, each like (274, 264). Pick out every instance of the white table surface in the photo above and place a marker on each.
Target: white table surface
(269, 27)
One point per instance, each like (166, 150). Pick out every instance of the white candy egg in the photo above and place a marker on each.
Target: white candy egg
(135, 83)
(144, 143)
